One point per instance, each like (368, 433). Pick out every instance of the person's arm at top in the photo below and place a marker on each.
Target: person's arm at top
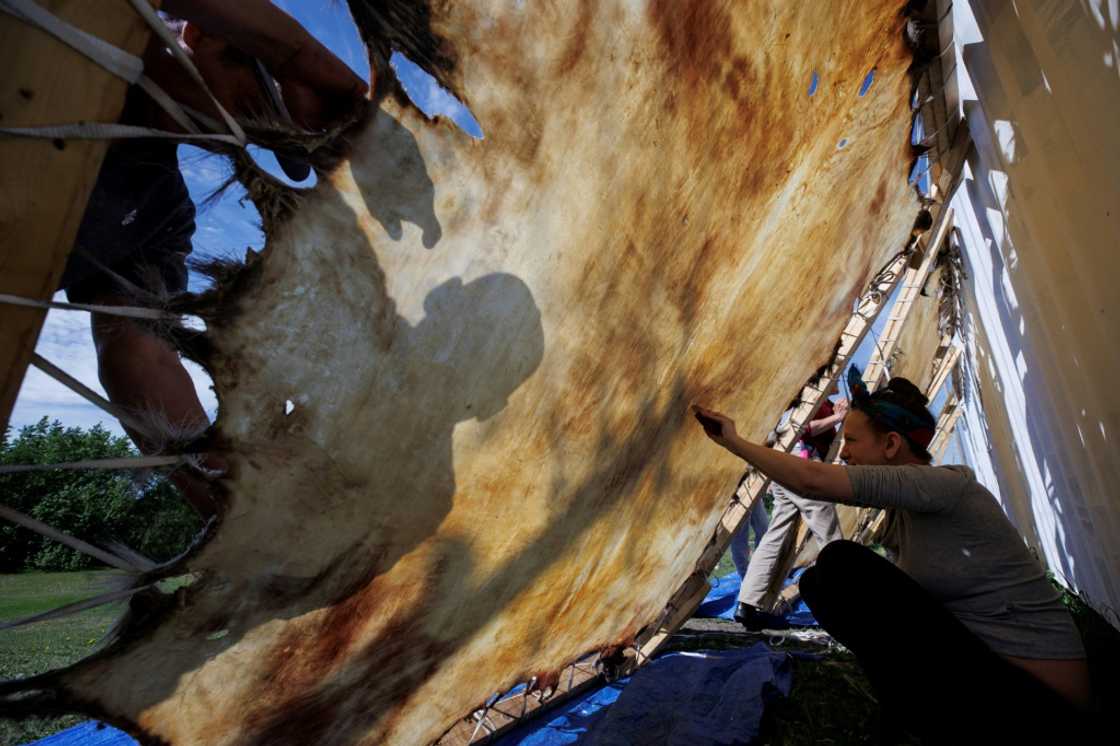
(256, 27)
(316, 84)
(918, 488)
(809, 478)
(816, 427)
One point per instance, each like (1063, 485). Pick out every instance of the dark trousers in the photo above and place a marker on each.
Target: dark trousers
(932, 676)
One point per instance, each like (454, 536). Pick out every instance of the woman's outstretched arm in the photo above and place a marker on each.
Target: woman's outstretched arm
(802, 476)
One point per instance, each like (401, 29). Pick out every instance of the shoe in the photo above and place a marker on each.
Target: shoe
(755, 620)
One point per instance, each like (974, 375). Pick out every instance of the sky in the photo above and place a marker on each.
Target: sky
(225, 227)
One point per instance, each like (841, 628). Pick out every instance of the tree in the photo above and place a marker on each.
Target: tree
(146, 514)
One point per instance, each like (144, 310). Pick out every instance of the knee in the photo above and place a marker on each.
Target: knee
(832, 572)
(840, 554)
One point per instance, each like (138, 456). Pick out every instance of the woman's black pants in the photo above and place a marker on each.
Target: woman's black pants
(932, 676)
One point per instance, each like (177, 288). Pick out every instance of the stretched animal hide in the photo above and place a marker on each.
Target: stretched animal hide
(489, 348)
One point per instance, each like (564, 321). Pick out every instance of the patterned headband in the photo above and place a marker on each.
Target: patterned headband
(915, 428)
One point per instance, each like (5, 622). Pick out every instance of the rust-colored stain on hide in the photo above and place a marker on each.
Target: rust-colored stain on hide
(492, 346)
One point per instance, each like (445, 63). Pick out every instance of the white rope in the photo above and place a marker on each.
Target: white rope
(525, 698)
(129, 554)
(106, 131)
(177, 111)
(131, 462)
(133, 312)
(76, 544)
(74, 608)
(160, 29)
(91, 396)
(482, 722)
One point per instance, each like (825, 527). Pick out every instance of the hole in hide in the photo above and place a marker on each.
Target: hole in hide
(432, 98)
(287, 169)
(867, 81)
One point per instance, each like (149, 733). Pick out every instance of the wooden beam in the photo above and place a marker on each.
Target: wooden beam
(945, 424)
(948, 361)
(46, 183)
(912, 283)
(947, 56)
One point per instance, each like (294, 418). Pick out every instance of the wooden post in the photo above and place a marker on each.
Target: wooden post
(948, 355)
(46, 183)
(945, 424)
(911, 286)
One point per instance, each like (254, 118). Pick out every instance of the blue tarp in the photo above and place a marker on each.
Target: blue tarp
(89, 733)
(568, 724)
(722, 598)
(697, 699)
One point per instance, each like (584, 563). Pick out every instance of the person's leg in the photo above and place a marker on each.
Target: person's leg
(821, 519)
(766, 560)
(143, 373)
(740, 547)
(760, 521)
(928, 670)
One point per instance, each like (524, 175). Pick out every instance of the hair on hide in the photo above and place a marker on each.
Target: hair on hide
(404, 26)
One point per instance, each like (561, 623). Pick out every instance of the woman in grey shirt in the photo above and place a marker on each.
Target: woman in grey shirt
(967, 621)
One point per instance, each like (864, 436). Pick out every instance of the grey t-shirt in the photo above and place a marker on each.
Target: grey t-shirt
(955, 541)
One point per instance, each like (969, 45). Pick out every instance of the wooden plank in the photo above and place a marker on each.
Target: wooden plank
(946, 34)
(45, 183)
(945, 424)
(949, 360)
(912, 284)
(871, 534)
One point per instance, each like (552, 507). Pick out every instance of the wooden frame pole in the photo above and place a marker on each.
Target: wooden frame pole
(46, 184)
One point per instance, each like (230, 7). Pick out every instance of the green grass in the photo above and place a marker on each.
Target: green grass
(831, 703)
(43, 646)
(725, 565)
